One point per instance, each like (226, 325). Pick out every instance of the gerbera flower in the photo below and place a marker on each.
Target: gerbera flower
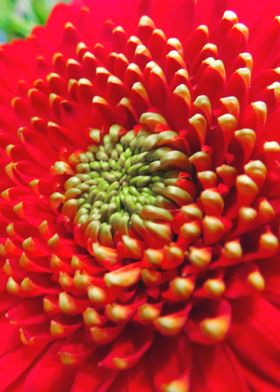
(140, 199)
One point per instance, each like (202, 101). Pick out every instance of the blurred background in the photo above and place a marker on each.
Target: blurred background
(18, 17)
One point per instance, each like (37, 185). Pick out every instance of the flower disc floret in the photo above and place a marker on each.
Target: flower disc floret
(128, 176)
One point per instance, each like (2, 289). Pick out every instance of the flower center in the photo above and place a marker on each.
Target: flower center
(127, 176)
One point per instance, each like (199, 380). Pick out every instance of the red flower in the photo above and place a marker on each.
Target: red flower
(140, 199)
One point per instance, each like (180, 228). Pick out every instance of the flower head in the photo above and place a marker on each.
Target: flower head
(140, 203)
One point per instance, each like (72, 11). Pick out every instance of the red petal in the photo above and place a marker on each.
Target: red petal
(49, 374)
(255, 339)
(15, 363)
(89, 378)
(216, 369)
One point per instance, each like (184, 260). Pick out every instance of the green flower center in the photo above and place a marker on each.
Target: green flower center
(126, 176)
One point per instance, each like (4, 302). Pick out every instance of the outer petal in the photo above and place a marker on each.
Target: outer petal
(271, 273)
(216, 369)
(177, 17)
(256, 341)
(91, 378)
(137, 378)
(48, 374)
(8, 338)
(19, 361)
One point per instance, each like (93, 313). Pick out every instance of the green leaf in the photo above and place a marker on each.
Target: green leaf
(41, 9)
